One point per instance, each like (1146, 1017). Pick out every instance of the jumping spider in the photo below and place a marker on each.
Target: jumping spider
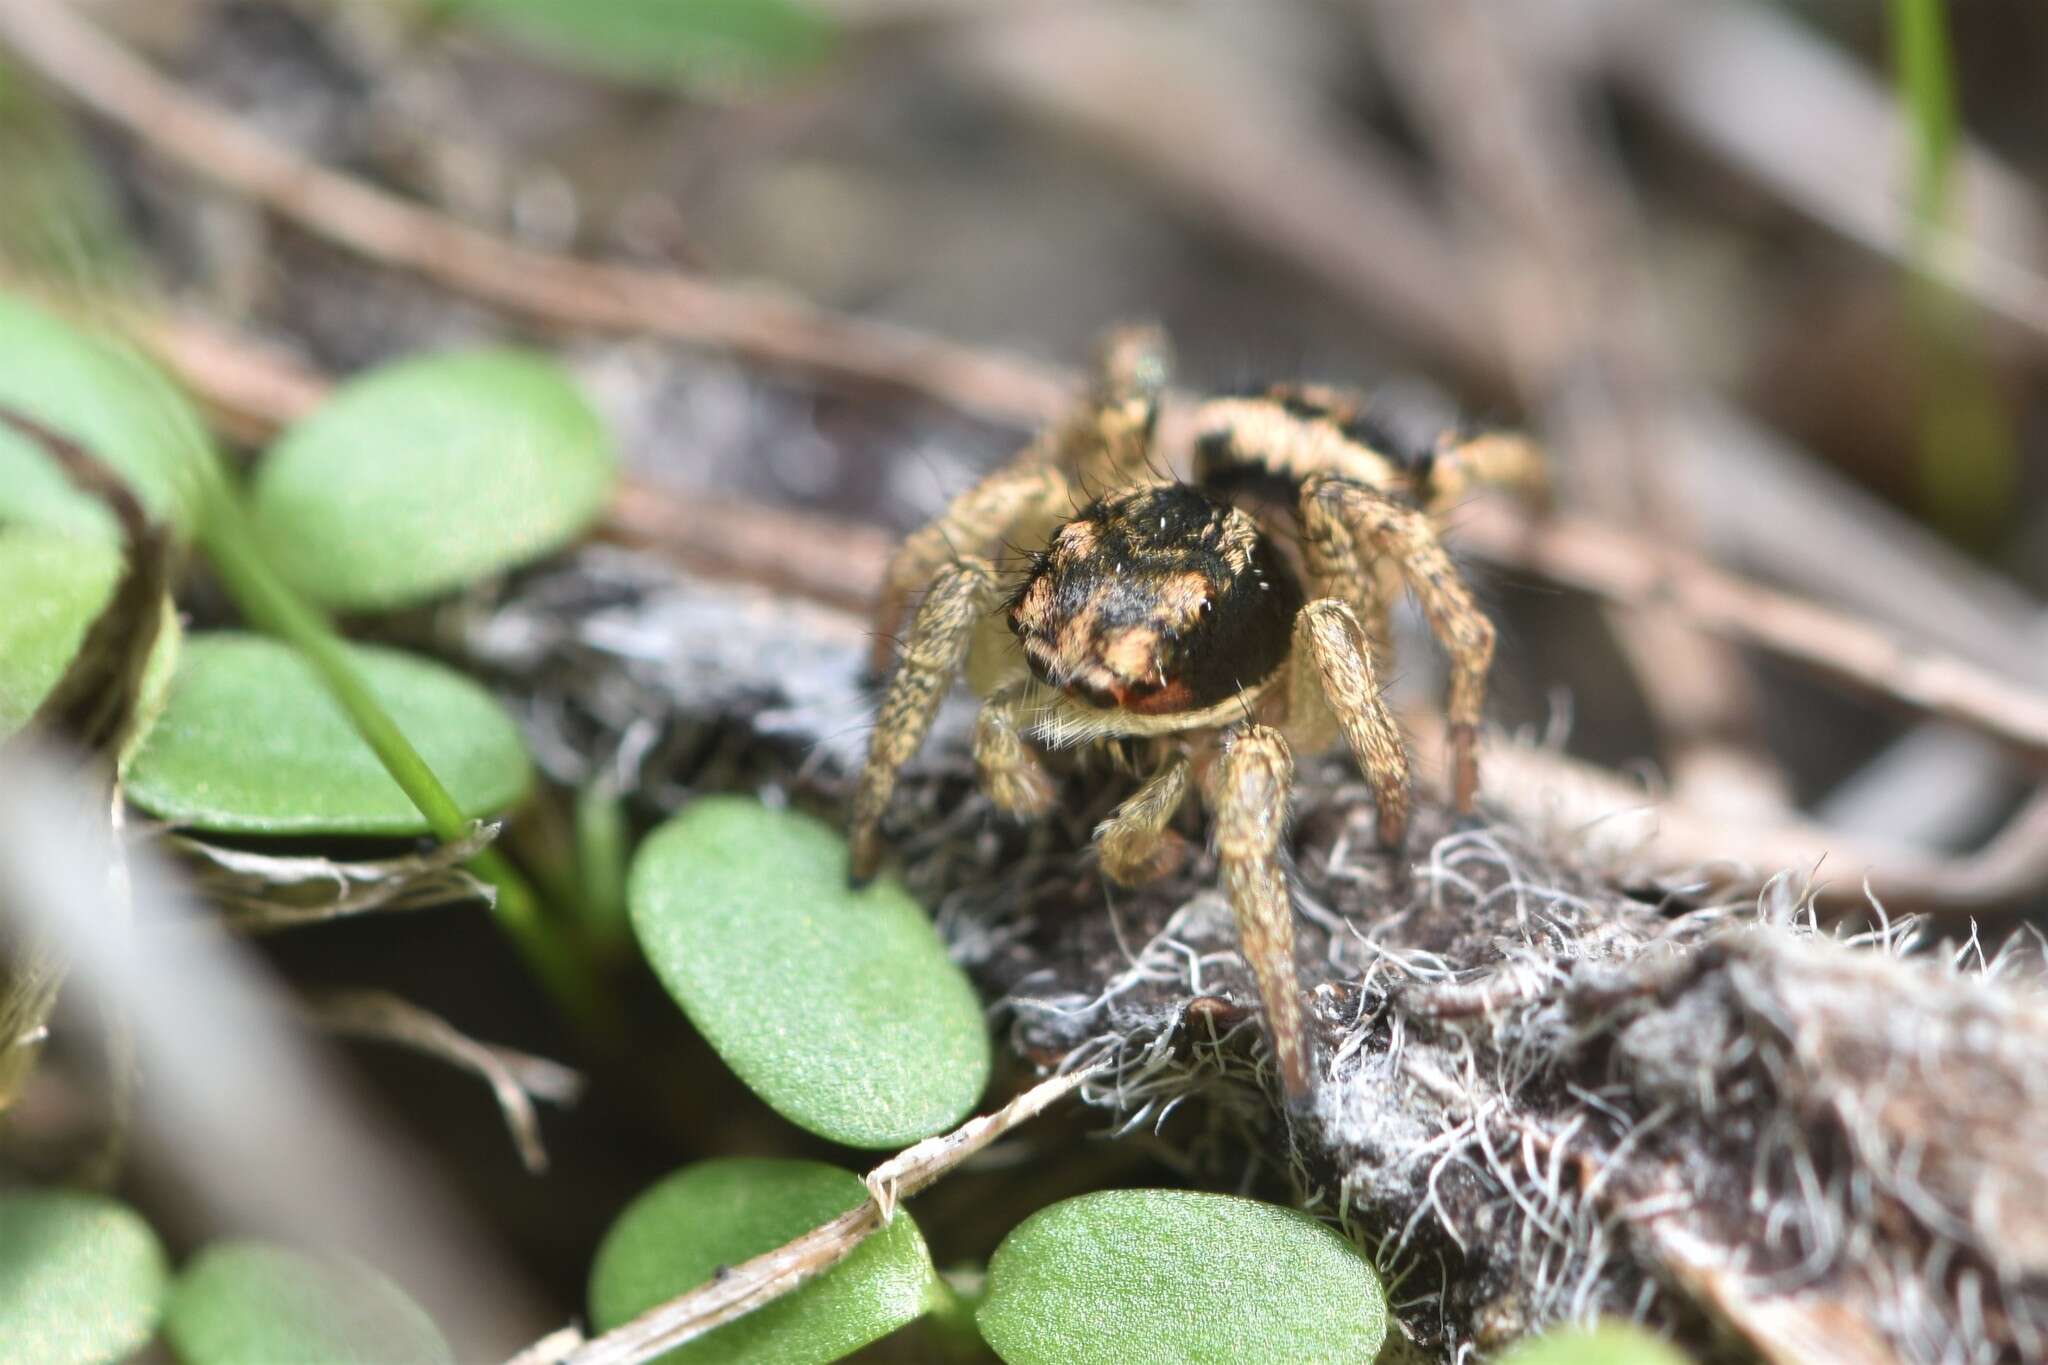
(1207, 629)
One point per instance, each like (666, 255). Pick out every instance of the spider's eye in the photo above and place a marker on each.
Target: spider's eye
(1205, 606)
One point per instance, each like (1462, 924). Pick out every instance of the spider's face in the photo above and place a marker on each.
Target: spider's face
(1156, 600)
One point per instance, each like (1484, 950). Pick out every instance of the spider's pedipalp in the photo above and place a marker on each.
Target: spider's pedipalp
(1136, 844)
(1252, 784)
(1333, 668)
(933, 653)
(1333, 511)
(1011, 773)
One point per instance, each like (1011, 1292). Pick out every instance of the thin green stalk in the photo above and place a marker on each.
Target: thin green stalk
(231, 545)
(1966, 454)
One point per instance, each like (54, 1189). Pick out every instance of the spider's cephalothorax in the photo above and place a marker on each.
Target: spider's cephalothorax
(1158, 600)
(1213, 627)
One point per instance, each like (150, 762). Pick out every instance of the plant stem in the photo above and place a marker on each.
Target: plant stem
(264, 597)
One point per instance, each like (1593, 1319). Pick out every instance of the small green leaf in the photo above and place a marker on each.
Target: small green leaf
(721, 44)
(108, 398)
(252, 1303)
(679, 1233)
(249, 742)
(429, 474)
(81, 1279)
(1131, 1276)
(1610, 1343)
(53, 585)
(839, 1008)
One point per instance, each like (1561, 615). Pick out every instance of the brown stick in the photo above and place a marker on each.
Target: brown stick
(772, 1274)
(766, 327)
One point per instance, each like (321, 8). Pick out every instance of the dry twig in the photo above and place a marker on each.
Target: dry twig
(516, 1078)
(772, 1274)
(764, 326)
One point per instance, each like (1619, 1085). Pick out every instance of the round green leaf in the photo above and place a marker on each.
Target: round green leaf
(839, 1008)
(429, 474)
(1610, 1343)
(250, 742)
(108, 398)
(1131, 1276)
(81, 1279)
(679, 1233)
(252, 1303)
(53, 585)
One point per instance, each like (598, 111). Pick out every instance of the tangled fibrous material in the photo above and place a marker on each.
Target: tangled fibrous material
(1539, 1097)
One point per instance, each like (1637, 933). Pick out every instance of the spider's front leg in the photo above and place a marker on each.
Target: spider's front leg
(971, 525)
(963, 593)
(1252, 784)
(1336, 510)
(1333, 668)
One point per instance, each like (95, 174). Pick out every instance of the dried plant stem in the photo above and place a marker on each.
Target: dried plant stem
(771, 1275)
(516, 1078)
(764, 326)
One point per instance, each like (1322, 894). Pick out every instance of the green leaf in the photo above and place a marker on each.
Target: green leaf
(719, 44)
(839, 1008)
(253, 1303)
(1610, 1343)
(1132, 1276)
(111, 400)
(81, 1279)
(249, 742)
(53, 585)
(679, 1233)
(426, 475)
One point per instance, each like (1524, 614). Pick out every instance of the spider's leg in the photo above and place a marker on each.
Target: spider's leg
(1252, 783)
(1329, 636)
(971, 525)
(1010, 770)
(1497, 459)
(1333, 508)
(1136, 844)
(933, 652)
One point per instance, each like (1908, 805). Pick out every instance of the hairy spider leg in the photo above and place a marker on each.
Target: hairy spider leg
(1342, 681)
(964, 592)
(1251, 788)
(1496, 459)
(1333, 510)
(971, 526)
(1011, 772)
(1104, 444)
(1137, 845)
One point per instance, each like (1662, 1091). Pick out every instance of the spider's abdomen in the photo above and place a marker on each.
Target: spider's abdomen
(1156, 600)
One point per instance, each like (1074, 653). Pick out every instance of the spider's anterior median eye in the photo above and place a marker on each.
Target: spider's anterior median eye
(1156, 600)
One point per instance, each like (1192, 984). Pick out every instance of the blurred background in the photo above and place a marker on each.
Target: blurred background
(1771, 279)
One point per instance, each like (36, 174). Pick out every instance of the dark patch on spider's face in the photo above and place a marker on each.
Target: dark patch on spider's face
(1155, 601)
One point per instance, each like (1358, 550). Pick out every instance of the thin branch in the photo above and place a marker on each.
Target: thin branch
(516, 1078)
(772, 1274)
(765, 326)
(1634, 572)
